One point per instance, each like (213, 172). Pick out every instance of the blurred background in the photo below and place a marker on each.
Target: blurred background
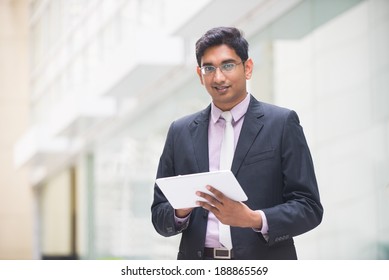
(88, 89)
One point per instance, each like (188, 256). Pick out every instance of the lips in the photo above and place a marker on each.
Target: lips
(221, 89)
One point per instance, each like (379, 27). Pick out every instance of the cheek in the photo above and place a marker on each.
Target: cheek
(208, 87)
(207, 84)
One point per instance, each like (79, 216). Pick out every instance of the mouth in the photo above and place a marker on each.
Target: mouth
(221, 89)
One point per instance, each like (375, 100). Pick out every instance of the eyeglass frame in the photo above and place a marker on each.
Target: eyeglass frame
(220, 67)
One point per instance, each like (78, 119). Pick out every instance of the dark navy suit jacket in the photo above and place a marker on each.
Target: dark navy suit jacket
(272, 163)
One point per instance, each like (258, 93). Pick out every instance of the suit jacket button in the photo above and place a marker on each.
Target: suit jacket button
(199, 254)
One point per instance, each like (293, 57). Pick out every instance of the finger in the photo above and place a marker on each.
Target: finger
(204, 204)
(210, 198)
(218, 194)
(208, 207)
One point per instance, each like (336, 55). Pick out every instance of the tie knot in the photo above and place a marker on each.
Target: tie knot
(227, 116)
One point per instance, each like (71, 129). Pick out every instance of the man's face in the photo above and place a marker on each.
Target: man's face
(227, 88)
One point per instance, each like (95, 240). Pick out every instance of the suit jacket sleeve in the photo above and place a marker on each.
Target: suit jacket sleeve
(301, 209)
(162, 212)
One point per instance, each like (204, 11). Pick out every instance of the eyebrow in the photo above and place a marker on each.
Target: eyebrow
(223, 62)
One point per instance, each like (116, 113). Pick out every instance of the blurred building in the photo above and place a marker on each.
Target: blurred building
(107, 78)
(16, 195)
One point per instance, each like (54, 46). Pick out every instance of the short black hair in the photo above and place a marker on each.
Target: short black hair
(229, 36)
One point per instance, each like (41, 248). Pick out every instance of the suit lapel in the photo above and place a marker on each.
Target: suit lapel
(252, 125)
(199, 132)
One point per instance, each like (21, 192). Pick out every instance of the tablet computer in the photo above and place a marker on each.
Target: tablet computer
(180, 190)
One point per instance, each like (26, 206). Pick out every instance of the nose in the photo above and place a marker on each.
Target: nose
(219, 76)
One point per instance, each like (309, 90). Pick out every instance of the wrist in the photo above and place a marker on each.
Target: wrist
(182, 213)
(256, 220)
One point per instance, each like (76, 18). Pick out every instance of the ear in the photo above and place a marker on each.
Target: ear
(200, 75)
(249, 66)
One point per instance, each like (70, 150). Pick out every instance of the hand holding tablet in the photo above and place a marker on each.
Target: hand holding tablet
(181, 190)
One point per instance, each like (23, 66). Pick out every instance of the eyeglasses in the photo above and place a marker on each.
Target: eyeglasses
(225, 68)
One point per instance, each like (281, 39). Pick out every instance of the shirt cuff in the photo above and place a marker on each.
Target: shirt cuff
(180, 221)
(265, 227)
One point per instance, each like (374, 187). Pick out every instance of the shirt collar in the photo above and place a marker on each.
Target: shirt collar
(237, 112)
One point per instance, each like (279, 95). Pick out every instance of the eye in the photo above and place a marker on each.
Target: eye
(208, 68)
(228, 66)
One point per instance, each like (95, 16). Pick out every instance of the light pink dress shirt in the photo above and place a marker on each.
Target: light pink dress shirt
(215, 138)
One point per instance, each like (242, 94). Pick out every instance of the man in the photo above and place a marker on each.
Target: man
(271, 161)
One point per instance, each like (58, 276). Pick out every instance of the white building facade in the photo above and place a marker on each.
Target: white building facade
(108, 78)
